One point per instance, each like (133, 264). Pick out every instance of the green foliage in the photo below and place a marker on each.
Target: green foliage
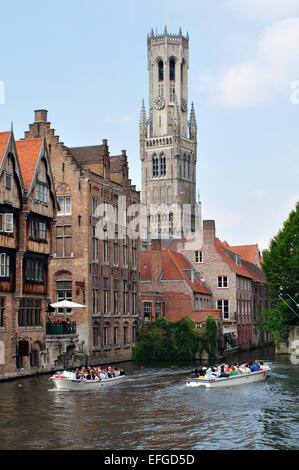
(174, 341)
(281, 267)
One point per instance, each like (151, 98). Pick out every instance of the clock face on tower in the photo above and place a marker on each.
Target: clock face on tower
(184, 105)
(159, 103)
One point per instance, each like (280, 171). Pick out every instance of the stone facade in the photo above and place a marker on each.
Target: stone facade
(168, 139)
(101, 274)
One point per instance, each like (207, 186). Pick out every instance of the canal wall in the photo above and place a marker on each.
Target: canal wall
(289, 343)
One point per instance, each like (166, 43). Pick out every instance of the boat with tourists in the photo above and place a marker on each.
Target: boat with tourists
(87, 379)
(225, 376)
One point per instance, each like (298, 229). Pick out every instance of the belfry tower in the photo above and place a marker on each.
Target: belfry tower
(168, 138)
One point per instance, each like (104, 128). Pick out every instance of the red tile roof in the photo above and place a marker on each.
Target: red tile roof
(28, 153)
(4, 138)
(247, 252)
(174, 267)
(222, 249)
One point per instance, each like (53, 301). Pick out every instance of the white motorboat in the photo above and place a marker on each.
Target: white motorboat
(66, 381)
(239, 379)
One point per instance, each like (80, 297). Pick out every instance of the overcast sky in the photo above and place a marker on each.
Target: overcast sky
(86, 62)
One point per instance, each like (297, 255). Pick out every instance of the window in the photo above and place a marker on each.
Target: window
(106, 294)
(134, 256)
(41, 193)
(37, 230)
(6, 223)
(161, 91)
(95, 244)
(4, 265)
(160, 71)
(222, 281)
(106, 246)
(29, 313)
(162, 165)
(125, 334)
(125, 252)
(147, 311)
(134, 297)
(158, 310)
(64, 292)
(95, 295)
(106, 336)
(63, 240)
(172, 69)
(115, 249)
(2, 308)
(155, 167)
(65, 203)
(198, 257)
(7, 181)
(95, 203)
(34, 270)
(115, 296)
(115, 335)
(134, 333)
(125, 297)
(223, 305)
(95, 336)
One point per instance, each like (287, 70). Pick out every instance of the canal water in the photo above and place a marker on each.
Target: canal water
(154, 410)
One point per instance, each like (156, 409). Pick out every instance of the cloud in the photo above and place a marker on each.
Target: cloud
(261, 79)
(264, 10)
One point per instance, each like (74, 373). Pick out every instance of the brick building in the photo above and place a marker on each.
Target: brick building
(171, 287)
(101, 274)
(236, 281)
(27, 208)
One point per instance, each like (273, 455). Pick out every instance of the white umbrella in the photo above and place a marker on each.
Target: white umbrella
(67, 304)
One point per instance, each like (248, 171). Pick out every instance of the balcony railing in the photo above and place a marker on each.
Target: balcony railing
(60, 328)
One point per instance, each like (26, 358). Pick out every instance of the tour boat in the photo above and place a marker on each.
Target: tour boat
(65, 381)
(239, 379)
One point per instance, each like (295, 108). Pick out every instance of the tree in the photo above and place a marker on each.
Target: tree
(281, 267)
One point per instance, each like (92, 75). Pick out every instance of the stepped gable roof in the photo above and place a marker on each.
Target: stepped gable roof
(115, 163)
(247, 252)
(174, 267)
(145, 266)
(4, 139)
(28, 154)
(222, 249)
(89, 154)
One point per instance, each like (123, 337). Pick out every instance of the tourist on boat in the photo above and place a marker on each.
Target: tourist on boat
(254, 367)
(233, 371)
(224, 373)
(195, 374)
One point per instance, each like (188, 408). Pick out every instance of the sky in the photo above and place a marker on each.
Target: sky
(86, 63)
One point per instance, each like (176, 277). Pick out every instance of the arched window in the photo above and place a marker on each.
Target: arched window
(160, 71)
(189, 167)
(155, 166)
(182, 70)
(162, 165)
(185, 166)
(172, 69)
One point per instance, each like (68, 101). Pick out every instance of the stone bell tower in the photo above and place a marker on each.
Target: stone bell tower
(168, 138)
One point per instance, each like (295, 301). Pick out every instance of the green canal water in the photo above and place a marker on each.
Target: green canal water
(154, 410)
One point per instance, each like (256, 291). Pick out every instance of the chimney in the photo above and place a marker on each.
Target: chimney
(156, 259)
(41, 115)
(209, 232)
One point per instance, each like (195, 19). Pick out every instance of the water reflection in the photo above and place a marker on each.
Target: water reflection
(153, 409)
